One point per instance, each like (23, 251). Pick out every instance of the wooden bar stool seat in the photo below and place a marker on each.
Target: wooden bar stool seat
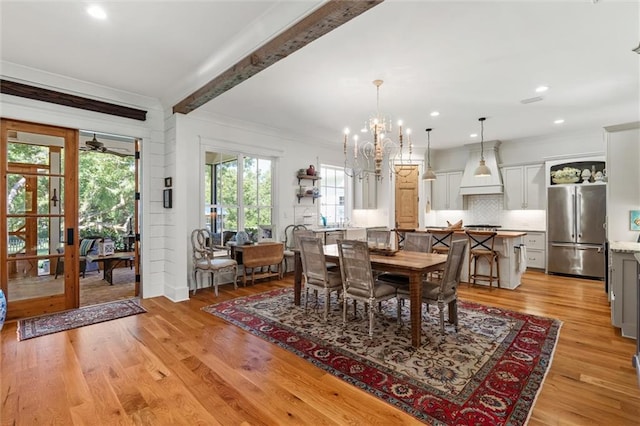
(481, 246)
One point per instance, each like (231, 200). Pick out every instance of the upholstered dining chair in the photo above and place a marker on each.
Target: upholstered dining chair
(316, 275)
(444, 291)
(205, 262)
(358, 281)
(413, 241)
(378, 237)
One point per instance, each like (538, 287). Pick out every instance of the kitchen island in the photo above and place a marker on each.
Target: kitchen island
(512, 260)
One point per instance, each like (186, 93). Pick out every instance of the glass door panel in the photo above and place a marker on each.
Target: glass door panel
(33, 209)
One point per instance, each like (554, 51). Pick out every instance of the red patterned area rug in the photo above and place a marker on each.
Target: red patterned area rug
(490, 372)
(61, 321)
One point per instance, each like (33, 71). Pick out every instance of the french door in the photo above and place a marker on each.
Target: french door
(38, 226)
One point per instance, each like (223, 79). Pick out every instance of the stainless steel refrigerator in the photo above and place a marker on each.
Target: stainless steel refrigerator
(576, 230)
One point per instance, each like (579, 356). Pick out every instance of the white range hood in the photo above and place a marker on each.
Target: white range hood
(472, 185)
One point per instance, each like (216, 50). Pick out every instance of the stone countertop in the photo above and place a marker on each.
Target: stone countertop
(624, 246)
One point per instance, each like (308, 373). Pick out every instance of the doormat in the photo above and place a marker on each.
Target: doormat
(61, 321)
(489, 372)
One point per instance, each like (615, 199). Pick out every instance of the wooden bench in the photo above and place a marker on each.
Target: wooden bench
(259, 256)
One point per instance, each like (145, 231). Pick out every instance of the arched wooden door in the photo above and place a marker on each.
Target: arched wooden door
(38, 226)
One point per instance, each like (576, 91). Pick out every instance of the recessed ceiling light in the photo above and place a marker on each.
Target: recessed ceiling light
(473, 135)
(541, 89)
(559, 121)
(97, 12)
(435, 114)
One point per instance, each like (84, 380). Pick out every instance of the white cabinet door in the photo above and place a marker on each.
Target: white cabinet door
(534, 187)
(440, 196)
(446, 191)
(524, 187)
(536, 249)
(624, 293)
(513, 187)
(455, 198)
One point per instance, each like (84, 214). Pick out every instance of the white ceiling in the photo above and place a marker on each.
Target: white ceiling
(463, 59)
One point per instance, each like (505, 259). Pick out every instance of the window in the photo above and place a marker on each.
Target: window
(332, 191)
(238, 193)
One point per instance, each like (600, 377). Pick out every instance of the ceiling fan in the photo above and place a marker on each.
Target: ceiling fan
(95, 145)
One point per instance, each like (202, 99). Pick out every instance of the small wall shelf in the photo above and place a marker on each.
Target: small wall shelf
(313, 197)
(308, 177)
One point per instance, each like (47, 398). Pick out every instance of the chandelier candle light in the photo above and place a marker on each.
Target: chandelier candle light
(381, 149)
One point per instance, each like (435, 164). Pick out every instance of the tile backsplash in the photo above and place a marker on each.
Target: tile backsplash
(489, 209)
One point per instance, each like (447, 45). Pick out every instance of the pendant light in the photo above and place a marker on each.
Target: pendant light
(482, 170)
(429, 174)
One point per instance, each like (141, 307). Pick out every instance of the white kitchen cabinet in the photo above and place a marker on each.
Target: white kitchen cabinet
(535, 242)
(524, 187)
(623, 287)
(446, 191)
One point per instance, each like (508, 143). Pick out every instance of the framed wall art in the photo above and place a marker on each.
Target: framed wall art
(634, 220)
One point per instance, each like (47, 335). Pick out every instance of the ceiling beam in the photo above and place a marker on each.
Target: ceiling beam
(326, 18)
(46, 95)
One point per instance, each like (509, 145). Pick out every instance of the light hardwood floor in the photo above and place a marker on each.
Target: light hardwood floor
(179, 365)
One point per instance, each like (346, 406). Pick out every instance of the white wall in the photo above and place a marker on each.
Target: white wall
(623, 188)
(152, 146)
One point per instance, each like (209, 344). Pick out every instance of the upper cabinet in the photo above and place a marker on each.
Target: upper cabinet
(524, 187)
(446, 191)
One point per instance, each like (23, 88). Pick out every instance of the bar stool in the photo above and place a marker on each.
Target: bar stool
(440, 240)
(440, 243)
(481, 246)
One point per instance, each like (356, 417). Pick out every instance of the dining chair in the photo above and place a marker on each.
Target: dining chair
(378, 237)
(316, 275)
(290, 242)
(205, 261)
(358, 281)
(413, 241)
(444, 291)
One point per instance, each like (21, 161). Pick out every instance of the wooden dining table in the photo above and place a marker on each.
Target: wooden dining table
(412, 264)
